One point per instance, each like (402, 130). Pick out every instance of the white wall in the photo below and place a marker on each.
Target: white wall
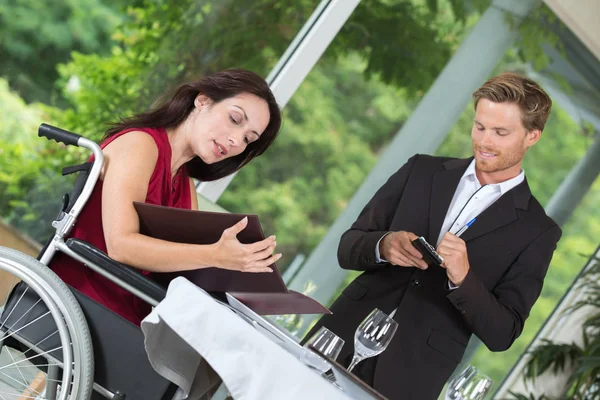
(583, 19)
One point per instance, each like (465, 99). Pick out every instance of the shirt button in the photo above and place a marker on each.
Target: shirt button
(463, 312)
(415, 282)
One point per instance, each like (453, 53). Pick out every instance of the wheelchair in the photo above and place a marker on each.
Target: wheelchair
(57, 343)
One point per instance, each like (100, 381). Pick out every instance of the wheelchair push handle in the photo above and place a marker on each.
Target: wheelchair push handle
(50, 132)
(60, 135)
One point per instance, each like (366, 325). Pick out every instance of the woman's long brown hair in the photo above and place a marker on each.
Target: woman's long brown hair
(174, 109)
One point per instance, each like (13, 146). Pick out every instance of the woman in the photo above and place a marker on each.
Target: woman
(208, 129)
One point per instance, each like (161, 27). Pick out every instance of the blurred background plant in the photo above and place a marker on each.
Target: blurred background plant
(580, 359)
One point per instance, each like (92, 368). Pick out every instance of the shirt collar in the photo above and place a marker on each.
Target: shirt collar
(502, 186)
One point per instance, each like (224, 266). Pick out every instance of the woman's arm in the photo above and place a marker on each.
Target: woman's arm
(130, 161)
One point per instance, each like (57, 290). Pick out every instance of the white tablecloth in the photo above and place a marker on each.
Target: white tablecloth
(189, 337)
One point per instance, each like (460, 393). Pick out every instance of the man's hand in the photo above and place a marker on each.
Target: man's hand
(454, 251)
(397, 249)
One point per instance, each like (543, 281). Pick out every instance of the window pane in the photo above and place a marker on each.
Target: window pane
(342, 117)
(129, 56)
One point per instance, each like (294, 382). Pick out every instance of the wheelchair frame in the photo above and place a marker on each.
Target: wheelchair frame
(65, 222)
(124, 276)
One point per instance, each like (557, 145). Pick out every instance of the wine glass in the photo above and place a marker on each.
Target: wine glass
(328, 344)
(470, 384)
(372, 336)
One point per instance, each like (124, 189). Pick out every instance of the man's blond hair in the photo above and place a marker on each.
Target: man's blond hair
(508, 87)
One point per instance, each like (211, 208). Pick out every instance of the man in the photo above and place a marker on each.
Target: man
(491, 275)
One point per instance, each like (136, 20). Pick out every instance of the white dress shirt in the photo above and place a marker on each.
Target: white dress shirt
(470, 199)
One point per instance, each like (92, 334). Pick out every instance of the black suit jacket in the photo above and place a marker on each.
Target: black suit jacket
(509, 248)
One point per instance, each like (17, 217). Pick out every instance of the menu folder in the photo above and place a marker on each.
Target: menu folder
(265, 293)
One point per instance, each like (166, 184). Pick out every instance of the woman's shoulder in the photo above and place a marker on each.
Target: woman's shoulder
(137, 139)
(146, 148)
(135, 147)
(154, 140)
(143, 135)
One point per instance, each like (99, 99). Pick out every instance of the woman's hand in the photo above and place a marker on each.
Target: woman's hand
(254, 257)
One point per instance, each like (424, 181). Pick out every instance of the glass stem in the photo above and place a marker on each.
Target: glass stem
(355, 360)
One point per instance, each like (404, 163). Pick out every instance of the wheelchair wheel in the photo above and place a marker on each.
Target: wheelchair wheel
(46, 347)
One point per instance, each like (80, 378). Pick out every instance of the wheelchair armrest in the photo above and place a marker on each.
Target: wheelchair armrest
(123, 272)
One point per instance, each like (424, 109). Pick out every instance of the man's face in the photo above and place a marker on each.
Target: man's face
(499, 141)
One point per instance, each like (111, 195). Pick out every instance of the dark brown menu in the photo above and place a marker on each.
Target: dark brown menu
(265, 293)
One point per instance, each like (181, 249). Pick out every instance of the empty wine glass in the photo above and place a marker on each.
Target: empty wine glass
(470, 384)
(372, 336)
(328, 344)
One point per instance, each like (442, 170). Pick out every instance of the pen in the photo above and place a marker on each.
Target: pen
(464, 228)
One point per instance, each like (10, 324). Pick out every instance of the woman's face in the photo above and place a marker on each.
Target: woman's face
(224, 129)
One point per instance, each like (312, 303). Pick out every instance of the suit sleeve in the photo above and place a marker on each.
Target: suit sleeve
(497, 317)
(357, 245)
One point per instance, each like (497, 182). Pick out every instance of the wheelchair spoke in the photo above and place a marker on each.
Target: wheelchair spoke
(47, 380)
(26, 367)
(24, 314)
(32, 357)
(34, 366)
(13, 394)
(14, 308)
(47, 337)
(51, 330)
(26, 325)
(25, 385)
(18, 369)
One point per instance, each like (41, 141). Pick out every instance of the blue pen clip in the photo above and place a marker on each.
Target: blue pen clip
(464, 228)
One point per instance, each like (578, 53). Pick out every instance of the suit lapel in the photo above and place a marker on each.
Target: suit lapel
(444, 185)
(501, 213)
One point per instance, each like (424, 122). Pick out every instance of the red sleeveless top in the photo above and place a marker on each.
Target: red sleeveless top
(162, 190)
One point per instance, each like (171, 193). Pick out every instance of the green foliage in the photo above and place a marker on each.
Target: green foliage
(552, 357)
(428, 38)
(110, 87)
(580, 361)
(167, 42)
(535, 26)
(342, 116)
(48, 30)
(29, 183)
(163, 43)
(303, 182)
(15, 152)
(536, 29)
(518, 396)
